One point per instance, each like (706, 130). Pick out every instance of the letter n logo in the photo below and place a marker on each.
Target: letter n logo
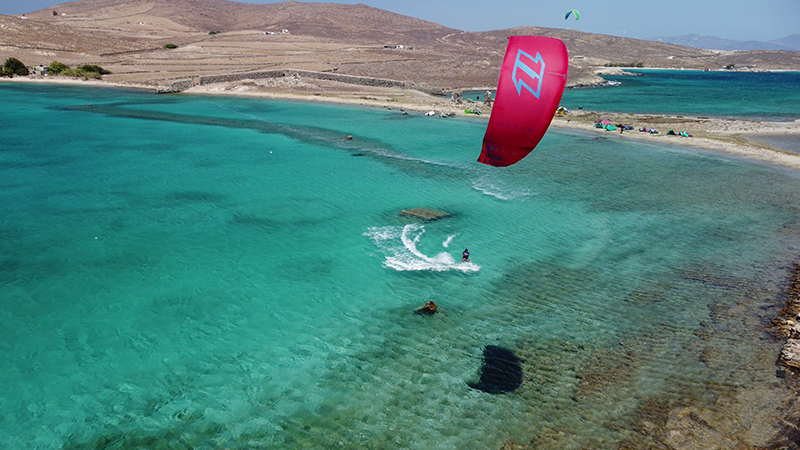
(519, 64)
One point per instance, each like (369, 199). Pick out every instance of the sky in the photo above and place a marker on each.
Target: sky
(741, 20)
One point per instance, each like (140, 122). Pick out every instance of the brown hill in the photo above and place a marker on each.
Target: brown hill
(322, 20)
(127, 37)
(43, 37)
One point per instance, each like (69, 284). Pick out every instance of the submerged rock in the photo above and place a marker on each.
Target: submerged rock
(429, 309)
(425, 214)
(501, 371)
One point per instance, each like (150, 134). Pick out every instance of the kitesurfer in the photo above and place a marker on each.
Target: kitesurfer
(465, 255)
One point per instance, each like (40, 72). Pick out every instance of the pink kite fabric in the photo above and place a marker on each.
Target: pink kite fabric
(532, 81)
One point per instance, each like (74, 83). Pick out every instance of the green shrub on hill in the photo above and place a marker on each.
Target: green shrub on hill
(78, 73)
(86, 71)
(170, 46)
(15, 67)
(57, 68)
(627, 64)
(94, 68)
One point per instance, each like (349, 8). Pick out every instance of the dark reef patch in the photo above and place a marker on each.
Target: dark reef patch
(194, 197)
(501, 371)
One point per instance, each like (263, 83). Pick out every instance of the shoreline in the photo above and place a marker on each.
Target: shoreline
(727, 136)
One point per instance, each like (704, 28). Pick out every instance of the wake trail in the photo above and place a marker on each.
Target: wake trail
(400, 245)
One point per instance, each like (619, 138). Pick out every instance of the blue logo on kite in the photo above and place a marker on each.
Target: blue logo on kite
(519, 64)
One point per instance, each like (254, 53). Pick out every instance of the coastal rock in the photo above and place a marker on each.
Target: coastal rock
(501, 371)
(790, 355)
(457, 97)
(787, 325)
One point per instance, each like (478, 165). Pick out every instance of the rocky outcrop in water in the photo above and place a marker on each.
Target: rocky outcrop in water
(788, 323)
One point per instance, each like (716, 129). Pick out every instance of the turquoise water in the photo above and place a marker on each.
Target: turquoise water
(207, 272)
(744, 95)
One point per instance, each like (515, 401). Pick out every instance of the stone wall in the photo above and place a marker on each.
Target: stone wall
(226, 78)
(182, 85)
(176, 86)
(349, 79)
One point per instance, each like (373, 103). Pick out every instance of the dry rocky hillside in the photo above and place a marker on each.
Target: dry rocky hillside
(127, 37)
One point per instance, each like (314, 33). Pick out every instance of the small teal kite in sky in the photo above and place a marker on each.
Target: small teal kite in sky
(577, 16)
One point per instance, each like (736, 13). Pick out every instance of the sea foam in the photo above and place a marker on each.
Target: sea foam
(499, 190)
(400, 246)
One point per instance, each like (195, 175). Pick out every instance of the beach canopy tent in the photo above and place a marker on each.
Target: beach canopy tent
(679, 133)
(606, 125)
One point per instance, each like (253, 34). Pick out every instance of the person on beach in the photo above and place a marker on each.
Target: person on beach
(465, 255)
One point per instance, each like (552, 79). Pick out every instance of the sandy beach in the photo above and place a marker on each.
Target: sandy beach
(735, 137)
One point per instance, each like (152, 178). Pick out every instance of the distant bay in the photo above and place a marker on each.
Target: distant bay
(771, 96)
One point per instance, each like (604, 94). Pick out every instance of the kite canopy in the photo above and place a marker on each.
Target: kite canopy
(531, 83)
(577, 16)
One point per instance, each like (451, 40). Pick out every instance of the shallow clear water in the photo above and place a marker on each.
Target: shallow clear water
(203, 272)
(790, 142)
(749, 95)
